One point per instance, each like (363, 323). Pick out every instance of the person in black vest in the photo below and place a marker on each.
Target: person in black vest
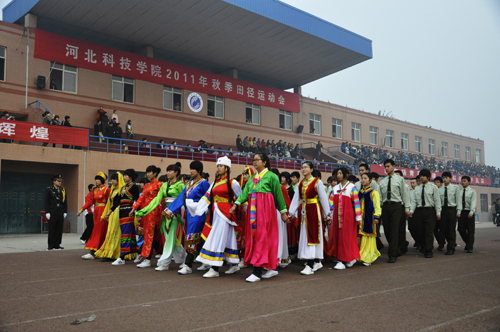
(56, 209)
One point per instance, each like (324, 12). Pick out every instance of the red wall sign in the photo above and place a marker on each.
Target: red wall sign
(52, 47)
(36, 132)
(412, 173)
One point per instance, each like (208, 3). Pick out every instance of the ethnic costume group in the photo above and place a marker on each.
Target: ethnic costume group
(255, 220)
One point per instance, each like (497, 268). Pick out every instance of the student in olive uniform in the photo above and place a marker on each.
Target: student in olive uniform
(428, 204)
(395, 200)
(56, 209)
(466, 209)
(403, 244)
(449, 195)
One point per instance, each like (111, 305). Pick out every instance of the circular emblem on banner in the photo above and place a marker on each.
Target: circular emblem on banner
(195, 102)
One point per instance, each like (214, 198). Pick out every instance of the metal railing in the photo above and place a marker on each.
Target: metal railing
(326, 151)
(39, 105)
(155, 149)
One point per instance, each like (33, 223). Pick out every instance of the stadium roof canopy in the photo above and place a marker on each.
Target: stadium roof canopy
(267, 41)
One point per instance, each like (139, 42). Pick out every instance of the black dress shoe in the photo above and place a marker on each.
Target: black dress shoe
(391, 260)
(440, 248)
(50, 248)
(449, 253)
(428, 255)
(59, 248)
(469, 251)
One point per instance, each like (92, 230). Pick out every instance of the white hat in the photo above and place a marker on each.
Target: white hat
(224, 161)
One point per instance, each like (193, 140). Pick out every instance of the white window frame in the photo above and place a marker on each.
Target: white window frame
(389, 138)
(467, 153)
(337, 123)
(316, 120)
(444, 149)
(373, 135)
(355, 129)
(457, 151)
(122, 81)
(478, 156)
(404, 141)
(432, 143)
(418, 144)
(65, 71)
(217, 101)
(173, 91)
(255, 120)
(286, 115)
(4, 57)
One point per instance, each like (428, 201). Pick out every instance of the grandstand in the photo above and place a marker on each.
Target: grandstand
(215, 69)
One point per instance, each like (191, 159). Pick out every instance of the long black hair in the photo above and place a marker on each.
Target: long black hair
(229, 190)
(154, 169)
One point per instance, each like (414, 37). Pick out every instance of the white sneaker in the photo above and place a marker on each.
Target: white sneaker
(158, 256)
(203, 267)
(88, 256)
(339, 266)
(162, 268)
(138, 259)
(211, 274)
(232, 269)
(307, 271)
(119, 261)
(270, 274)
(182, 266)
(185, 270)
(351, 263)
(82, 241)
(317, 266)
(145, 263)
(253, 278)
(241, 264)
(367, 264)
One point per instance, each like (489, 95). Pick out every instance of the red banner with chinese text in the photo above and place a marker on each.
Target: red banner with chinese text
(36, 132)
(57, 48)
(412, 173)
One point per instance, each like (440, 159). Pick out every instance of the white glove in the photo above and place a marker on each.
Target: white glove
(65, 215)
(48, 216)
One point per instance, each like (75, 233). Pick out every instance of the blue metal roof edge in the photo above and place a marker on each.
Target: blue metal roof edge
(16, 9)
(306, 22)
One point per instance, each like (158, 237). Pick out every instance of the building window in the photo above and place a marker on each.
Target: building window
(467, 153)
(172, 98)
(389, 138)
(373, 135)
(336, 128)
(356, 132)
(253, 113)
(62, 77)
(444, 149)
(431, 146)
(3, 55)
(418, 144)
(123, 89)
(315, 124)
(215, 107)
(478, 155)
(457, 151)
(404, 141)
(285, 120)
(484, 202)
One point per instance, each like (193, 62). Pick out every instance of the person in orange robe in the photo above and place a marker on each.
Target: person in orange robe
(98, 198)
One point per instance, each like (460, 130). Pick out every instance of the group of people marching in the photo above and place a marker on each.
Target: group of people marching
(263, 218)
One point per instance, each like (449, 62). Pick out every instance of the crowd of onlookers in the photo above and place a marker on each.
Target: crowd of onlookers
(375, 155)
(271, 148)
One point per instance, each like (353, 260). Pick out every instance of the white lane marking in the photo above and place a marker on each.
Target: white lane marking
(477, 313)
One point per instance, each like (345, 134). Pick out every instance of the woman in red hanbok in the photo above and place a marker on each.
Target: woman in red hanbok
(346, 215)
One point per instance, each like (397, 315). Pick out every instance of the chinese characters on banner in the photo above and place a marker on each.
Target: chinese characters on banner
(412, 173)
(81, 54)
(35, 132)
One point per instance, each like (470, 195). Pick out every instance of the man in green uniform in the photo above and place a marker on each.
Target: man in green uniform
(56, 209)
(466, 210)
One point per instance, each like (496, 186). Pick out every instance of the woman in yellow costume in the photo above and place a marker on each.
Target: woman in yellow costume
(110, 249)
(369, 199)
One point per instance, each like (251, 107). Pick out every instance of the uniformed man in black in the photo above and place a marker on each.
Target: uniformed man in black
(56, 209)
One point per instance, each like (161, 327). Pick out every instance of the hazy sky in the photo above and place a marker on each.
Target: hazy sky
(436, 63)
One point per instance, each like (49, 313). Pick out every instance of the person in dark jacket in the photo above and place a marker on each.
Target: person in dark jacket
(56, 209)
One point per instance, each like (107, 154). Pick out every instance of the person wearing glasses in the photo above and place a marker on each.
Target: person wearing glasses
(263, 191)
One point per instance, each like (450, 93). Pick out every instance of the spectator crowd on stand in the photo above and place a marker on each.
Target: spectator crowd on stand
(404, 159)
(271, 148)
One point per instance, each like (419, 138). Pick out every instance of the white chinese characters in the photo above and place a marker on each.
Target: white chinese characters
(72, 51)
(39, 132)
(8, 128)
